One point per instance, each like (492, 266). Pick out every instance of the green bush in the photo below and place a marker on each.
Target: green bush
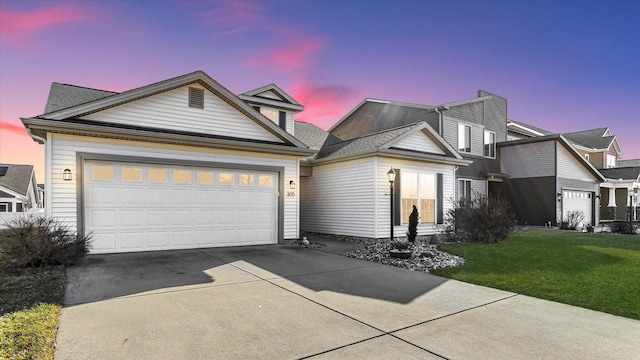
(574, 219)
(481, 219)
(32, 241)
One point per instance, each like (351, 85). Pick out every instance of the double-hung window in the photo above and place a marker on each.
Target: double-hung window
(611, 161)
(464, 138)
(418, 189)
(489, 144)
(464, 189)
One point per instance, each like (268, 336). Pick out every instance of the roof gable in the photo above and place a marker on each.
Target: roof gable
(86, 109)
(62, 96)
(599, 139)
(271, 95)
(170, 110)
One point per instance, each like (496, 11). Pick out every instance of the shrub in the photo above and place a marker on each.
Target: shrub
(400, 245)
(481, 219)
(574, 219)
(31, 241)
(413, 225)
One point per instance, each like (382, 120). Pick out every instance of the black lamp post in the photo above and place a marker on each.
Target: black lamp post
(391, 175)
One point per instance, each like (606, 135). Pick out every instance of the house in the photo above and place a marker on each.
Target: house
(181, 163)
(345, 186)
(618, 192)
(18, 189)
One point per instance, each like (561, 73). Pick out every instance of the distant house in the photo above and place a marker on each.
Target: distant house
(18, 189)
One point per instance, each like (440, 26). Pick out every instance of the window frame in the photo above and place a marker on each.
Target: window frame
(418, 198)
(464, 133)
(492, 152)
(613, 162)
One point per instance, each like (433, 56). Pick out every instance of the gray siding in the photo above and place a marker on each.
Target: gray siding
(471, 112)
(529, 160)
(533, 199)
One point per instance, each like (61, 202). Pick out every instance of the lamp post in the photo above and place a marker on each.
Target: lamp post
(391, 175)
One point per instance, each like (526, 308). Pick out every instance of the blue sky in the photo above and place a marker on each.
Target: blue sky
(563, 65)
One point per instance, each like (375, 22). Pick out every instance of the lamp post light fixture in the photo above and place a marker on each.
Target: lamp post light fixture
(391, 175)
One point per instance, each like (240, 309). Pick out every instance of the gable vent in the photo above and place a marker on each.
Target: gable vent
(196, 98)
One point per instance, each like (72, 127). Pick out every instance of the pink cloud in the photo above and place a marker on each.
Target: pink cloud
(18, 27)
(295, 54)
(323, 104)
(12, 128)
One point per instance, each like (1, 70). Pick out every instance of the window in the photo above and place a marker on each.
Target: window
(246, 179)
(256, 108)
(464, 138)
(464, 189)
(489, 144)
(611, 161)
(182, 176)
(205, 177)
(266, 180)
(131, 174)
(196, 98)
(419, 190)
(225, 179)
(587, 157)
(158, 175)
(4, 207)
(102, 172)
(282, 119)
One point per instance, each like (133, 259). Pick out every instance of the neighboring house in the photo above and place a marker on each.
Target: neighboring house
(601, 149)
(182, 163)
(345, 188)
(18, 189)
(547, 179)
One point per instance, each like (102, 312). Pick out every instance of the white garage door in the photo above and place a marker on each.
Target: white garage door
(143, 207)
(577, 201)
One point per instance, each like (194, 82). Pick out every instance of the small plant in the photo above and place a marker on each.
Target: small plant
(400, 246)
(574, 219)
(413, 225)
(481, 219)
(33, 241)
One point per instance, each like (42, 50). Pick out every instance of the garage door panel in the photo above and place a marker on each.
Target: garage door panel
(578, 201)
(165, 207)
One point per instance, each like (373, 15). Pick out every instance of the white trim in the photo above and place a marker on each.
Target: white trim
(484, 144)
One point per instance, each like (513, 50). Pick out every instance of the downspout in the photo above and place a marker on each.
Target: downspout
(439, 111)
(36, 137)
(44, 142)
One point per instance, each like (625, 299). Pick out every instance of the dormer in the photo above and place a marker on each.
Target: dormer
(274, 104)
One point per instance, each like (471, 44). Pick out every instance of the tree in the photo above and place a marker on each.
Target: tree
(413, 225)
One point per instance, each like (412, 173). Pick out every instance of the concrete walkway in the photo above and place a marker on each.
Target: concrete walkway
(284, 302)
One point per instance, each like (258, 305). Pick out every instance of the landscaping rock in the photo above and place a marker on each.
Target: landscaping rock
(424, 257)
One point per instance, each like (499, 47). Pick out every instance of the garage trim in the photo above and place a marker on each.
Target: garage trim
(593, 197)
(81, 157)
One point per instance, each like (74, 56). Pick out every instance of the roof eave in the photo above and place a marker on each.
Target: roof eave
(93, 130)
(271, 102)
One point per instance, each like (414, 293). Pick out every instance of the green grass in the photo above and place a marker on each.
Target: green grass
(30, 302)
(594, 271)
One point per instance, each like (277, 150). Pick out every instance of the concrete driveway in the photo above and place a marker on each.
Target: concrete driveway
(283, 302)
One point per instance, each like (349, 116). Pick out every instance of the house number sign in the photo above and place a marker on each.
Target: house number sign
(291, 193)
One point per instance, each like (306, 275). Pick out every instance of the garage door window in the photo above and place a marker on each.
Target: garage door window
(266, 180)
(226, 179)
(131, 174)
(182, 176)
(158, 175)
(205, 177)
(246, 179)
(102, 172)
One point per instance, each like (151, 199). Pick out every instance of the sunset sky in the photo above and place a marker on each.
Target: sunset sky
(563, 65)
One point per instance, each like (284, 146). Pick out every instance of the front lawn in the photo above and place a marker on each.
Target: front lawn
(30, 302)
(594, 271)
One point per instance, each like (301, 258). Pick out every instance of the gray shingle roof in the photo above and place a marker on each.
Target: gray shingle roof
(313, 136)
(624, 173)
(537, 129)
(381, 115)
(362, 145)
(17, 178)
(593, 139)
(62, 96)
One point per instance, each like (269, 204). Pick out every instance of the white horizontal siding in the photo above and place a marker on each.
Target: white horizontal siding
(571, 168)
(63, 194)
(418, 141)
(170, 110)
(339, 199)
(529, 160)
